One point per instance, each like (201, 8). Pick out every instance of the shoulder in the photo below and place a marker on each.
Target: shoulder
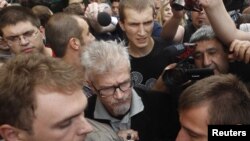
(160, 42)
(101, 132)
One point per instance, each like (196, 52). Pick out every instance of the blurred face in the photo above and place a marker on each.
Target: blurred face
(210, 54)
(199, 19)
(115, 8)
(194, 122)
(119, 102)
(23, 38)
(157, 5)
(59, 116)
(138, 26)
(167, 13)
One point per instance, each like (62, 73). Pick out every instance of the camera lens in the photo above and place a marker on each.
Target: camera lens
(174, 77)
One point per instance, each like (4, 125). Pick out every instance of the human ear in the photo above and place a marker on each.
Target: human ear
(9, 133)
(75, 43)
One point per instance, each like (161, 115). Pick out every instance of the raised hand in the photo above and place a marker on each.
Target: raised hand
(241, 50)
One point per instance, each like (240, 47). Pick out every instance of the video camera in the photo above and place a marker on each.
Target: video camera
(189, 5)
(193, 5)
(185, 69)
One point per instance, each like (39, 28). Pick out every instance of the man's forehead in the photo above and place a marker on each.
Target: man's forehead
(18, 27)
(205, 44)
(142, 13)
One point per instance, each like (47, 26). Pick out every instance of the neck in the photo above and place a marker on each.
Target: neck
(141, 51)
(72, 57)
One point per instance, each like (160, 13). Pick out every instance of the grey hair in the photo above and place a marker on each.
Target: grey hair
(101, 57)
(203, 33)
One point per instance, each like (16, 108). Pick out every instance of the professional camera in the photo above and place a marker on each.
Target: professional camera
(185, 69)
(189, 5)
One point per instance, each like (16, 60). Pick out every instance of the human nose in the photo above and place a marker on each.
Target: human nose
(22, 40)
(118, 94)
(84, 127)
(141, 30)
(207, 60)
(202, 11)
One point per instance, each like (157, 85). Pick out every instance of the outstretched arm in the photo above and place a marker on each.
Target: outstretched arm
(221, 22)
(171, 28)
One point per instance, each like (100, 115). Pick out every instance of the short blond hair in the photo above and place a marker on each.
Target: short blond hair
(75, 1)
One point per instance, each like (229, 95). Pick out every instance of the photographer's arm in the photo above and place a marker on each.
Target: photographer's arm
(221, 22)
(171, 29)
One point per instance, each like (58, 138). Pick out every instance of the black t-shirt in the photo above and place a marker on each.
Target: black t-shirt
(189, 30)
(241, 70)
(147, 69)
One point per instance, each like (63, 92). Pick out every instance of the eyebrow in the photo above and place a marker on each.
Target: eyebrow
(101, 87)
(11, 36)
(70, 117)
(208, 49)
(211, 48)
(190, 131)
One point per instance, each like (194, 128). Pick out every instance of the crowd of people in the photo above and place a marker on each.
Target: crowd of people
(66, 76)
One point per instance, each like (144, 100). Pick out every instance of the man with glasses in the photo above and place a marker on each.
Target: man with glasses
(132, 112)
(22, 31)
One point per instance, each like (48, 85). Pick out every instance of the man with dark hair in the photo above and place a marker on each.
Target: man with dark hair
(67, 35)
(43, 13)
(22, 31)
(41, 99)
(115, 7)
(216, 100)
(211, 53)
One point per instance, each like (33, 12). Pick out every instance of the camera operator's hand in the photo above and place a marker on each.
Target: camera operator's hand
(160, 85)
(241, 50)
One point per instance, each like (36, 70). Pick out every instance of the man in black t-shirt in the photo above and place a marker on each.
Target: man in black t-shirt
(148, 58)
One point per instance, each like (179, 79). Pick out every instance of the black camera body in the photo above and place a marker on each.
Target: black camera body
(178, 76)
(189, 5)
(185, 69)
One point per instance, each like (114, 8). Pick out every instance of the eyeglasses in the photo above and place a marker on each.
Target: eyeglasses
(109, 91)
(29, 35)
